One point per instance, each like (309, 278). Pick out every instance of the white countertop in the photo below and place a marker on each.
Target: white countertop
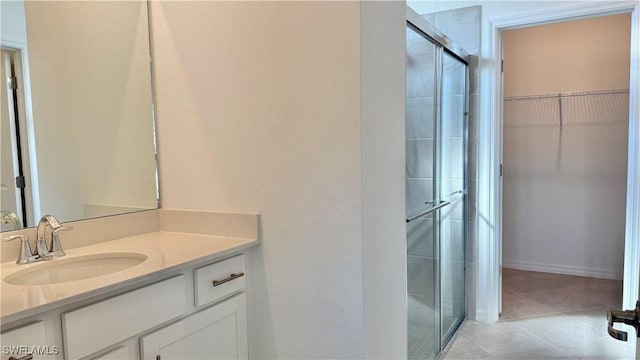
(165, 251)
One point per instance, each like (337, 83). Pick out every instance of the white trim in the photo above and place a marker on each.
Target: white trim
(631, 282)
(488, 249)
(601, 273)
(490, 143)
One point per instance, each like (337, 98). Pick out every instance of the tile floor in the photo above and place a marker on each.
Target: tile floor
(547, 316)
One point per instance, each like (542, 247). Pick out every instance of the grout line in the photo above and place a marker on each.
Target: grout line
(553, 313)
(553, 289)
(547, 343)
(532, 292)
(604, 324)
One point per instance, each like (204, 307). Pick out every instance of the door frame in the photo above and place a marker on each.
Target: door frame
(27, 132)
(489, 244)
(11, 138)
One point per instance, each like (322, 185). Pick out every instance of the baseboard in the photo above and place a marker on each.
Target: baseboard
(563, 269)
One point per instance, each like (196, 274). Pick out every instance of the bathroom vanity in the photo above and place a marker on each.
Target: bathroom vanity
(153, 284)
(183, 296)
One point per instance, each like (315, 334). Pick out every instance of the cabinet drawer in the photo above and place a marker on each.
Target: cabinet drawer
(215, 281)
(107, 322)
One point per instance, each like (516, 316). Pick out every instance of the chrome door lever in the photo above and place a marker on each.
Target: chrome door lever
(629, 317)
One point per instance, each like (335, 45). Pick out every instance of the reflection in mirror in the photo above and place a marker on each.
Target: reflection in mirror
(77, 136)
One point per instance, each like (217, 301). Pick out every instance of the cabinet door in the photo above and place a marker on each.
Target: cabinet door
(29, 339)
(218, 332)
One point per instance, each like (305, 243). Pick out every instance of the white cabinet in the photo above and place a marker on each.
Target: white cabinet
(218, 332)
(208, 300)
(26, 340)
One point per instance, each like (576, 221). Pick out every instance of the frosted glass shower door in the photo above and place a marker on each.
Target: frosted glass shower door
(452, 189)
(435, 138)
(420, 130)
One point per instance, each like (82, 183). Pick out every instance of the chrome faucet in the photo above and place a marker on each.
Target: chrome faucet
(42, 252)
(9, 217)
(54, 249)
(41, 246)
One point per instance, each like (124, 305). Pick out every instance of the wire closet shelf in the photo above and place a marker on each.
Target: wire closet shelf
(568, 108)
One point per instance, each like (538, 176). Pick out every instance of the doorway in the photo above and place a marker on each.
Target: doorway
(565, 136)
(17, 206)
(543, 316)
(19, 198)
(489, 151)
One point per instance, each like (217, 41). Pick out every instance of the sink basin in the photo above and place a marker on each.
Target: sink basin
(76, 268)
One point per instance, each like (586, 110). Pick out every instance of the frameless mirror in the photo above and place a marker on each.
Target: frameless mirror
(77, 137)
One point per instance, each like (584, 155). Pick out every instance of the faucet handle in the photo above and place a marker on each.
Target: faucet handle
(9, 217)
(53, 222)
(62, 228)
(15, 237)
(25, 255)
(56, 247)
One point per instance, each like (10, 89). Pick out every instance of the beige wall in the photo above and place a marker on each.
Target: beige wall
(583, 55)
(258, 107)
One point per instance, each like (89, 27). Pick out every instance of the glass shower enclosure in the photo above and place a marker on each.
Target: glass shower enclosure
(435, 139)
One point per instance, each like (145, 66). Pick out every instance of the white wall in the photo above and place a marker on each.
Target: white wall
(90, 87)
(382, 26)
(258, 107)
(12, 21)
(564, 190)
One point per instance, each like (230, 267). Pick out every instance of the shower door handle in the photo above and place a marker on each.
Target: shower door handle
(429, 211)
(629, 317)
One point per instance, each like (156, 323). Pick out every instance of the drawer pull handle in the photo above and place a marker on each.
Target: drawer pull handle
(226, 280)
(26, 357)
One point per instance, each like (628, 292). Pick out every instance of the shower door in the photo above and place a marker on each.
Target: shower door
(435, 138)
(452, 178)
(420, 142)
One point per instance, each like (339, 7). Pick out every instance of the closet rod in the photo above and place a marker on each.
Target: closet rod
(568, 94)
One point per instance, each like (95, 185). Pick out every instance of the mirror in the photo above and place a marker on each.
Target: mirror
(77, 136)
